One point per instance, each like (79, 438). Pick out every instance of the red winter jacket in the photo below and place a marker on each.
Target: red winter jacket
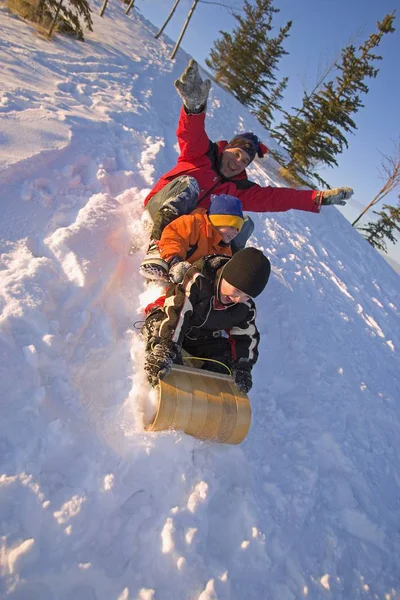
(200, 158)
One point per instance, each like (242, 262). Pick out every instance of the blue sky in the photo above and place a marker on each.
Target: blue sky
(321, 28)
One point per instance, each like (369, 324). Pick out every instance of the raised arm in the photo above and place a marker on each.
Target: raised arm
(192, 138)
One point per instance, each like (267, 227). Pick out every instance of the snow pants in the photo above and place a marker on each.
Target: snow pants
(180, 197)
(177, 198)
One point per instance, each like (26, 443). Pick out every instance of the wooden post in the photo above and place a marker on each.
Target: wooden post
(175, 50)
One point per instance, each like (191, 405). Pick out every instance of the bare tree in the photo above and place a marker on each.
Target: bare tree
(182, 33)
(128, 8)
(159, 32)
(195, 2)
(103, 8)
(390, 175)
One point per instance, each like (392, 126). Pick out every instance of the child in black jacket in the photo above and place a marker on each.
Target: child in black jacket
(210, 314)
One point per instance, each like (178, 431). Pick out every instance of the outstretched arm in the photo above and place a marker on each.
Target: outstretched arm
(276, 199)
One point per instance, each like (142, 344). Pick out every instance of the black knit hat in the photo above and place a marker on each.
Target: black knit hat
(248, 271)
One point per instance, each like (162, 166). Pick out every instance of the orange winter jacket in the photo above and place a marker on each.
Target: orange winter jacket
(191, 237)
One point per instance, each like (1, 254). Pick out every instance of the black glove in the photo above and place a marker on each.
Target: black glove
(241, 373)
(193, 90)
(150, 329)
(336, 196)
(159, 361)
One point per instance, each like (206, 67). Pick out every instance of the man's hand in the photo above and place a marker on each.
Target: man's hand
(241, 373)
(336, 196)
(192, 89)
(159, 361)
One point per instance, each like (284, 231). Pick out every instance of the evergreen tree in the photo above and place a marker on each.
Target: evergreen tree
(265, 109)
(376, 232)
(246, 60)
(317, 132)
(65, 17)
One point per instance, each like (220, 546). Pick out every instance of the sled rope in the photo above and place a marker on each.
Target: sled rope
(209, 360)
(189, 358)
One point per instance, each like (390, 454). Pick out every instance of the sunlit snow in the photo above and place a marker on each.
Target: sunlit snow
(92, 507)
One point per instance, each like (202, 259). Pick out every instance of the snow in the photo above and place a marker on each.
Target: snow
(91, 506)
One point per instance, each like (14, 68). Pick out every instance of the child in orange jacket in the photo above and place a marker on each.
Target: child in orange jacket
(190, 237)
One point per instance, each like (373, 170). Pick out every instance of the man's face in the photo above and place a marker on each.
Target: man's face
(227, 233)
(229, 294)
(233, 161)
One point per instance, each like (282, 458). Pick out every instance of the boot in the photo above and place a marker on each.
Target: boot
(153, 266)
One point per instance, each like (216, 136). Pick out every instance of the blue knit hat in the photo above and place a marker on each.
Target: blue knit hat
(226, 211)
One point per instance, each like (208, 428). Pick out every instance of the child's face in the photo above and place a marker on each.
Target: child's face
(229, 294)
(227, 233)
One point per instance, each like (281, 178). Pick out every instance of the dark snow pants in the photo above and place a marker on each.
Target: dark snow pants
(177, 198)
(180, 197)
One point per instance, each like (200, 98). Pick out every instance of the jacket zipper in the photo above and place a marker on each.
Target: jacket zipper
(201, 324)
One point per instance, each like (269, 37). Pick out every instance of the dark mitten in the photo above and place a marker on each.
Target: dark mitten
(150, 329)
(159, 361)
(241, 373)
(192, 89)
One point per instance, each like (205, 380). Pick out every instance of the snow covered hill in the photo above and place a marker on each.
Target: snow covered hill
(91, 507)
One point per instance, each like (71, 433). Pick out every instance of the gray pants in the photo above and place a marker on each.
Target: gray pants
(179, 197)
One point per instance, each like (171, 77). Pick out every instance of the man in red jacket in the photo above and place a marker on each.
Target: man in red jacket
(206, 168)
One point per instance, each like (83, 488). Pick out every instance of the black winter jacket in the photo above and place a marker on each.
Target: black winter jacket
(192, 310)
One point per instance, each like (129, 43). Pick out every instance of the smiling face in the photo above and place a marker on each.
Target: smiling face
(227, 233)
(231, 295)
(234, 161)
